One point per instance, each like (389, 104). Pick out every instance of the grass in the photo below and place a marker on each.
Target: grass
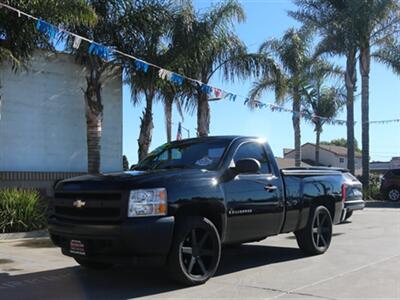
(21, 211)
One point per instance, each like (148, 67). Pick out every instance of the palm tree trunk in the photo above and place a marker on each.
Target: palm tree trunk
(317, 143)
(365, 60)
(168, 117)
(203, 115)
(350, 80)
(146, 127)
(94, 118)
(296, 127)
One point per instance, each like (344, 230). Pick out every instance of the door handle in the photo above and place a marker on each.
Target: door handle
(271, 188)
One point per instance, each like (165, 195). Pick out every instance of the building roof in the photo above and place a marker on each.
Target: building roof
(337, 150)
(288, 162)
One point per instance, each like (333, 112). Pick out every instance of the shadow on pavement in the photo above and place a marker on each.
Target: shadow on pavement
(124, 282)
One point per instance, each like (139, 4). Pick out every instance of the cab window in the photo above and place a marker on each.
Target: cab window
(256, 151)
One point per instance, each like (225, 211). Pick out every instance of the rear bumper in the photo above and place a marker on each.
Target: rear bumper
(354, 205)
(134, 240)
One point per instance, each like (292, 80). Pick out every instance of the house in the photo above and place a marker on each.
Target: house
(288, 163)
(381, 167)
(43, 124)
(329, 155)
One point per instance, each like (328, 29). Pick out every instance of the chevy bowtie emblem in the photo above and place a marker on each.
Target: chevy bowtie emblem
(79, 203)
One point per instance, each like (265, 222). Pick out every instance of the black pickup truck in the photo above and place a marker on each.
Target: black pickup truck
(189, 198)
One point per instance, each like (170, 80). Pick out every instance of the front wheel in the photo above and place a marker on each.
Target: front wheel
(316, 237)
(195, 252)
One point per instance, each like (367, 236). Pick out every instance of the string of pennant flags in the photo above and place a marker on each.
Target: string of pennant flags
(107, 53)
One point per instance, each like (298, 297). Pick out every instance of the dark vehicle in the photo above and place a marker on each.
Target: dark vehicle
(390, 185)
(353, 195)
(186, 200)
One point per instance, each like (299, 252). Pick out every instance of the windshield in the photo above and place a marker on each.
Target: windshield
(190, 155)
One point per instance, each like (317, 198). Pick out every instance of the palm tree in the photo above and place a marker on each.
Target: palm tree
(367, 25)
(375, 22)
(171, 94)
(324, 102)
(209, 45)
(292, 52)
(99, 69)
(148, 26)
(321, 103)
(337, 38)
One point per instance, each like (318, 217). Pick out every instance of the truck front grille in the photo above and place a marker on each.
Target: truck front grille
(88, 207)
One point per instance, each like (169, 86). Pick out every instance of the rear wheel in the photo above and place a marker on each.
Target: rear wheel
(316, 237)
(196, 251)
(393, 194)
(93, 264)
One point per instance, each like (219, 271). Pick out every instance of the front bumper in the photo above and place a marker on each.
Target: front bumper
(134, 240)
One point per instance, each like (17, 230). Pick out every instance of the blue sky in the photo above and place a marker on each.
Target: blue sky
(266, 19)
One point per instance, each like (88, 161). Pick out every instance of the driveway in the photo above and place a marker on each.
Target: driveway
(363, 262)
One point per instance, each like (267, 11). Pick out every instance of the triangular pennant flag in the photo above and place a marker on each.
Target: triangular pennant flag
(101, 51)
(47, 28)
(141, 66)
(164, 74)
(77, 42)
(178, 79)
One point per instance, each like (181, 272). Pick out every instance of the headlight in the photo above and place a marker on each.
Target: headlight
(148, 202)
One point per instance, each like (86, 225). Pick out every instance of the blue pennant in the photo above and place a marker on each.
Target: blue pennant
(206, 89)
(177, 79)
(141, 66)
(46, 28)
(232, 97)
(101, 51)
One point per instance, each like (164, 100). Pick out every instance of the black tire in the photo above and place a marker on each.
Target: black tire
(393, 194)
(316, 237)
(92, 264)
(195, 251)
(349, 213)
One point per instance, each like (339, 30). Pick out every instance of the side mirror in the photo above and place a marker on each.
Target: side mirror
(247, 165)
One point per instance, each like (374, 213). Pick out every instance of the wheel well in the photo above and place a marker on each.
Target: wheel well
(208, 211)
(328, 202)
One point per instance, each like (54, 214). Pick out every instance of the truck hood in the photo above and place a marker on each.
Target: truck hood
(132, 179)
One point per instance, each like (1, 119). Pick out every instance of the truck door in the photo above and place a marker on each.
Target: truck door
(254, 201)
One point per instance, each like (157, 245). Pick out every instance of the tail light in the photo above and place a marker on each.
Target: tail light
(344, 192)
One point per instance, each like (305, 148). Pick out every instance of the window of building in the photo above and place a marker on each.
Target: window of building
(341, 160)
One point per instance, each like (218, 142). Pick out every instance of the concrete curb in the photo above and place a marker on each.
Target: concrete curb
(382, 204)
(24, 235)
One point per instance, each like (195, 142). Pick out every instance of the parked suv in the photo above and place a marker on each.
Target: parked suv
(390, 185)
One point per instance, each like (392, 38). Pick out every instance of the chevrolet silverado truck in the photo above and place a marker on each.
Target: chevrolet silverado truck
(189, 198)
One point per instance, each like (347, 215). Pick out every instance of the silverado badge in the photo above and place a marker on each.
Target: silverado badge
(79, 203)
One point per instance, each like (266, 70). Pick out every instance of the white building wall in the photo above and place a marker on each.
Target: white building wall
(43, 126)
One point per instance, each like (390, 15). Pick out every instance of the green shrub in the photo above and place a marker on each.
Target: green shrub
(373, 193)
(21, 210)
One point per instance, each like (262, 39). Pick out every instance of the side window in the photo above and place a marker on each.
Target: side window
(256, 151)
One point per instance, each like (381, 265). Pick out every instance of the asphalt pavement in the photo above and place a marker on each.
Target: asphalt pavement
(363, 262)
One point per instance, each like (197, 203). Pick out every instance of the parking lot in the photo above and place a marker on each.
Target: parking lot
(363, 262)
